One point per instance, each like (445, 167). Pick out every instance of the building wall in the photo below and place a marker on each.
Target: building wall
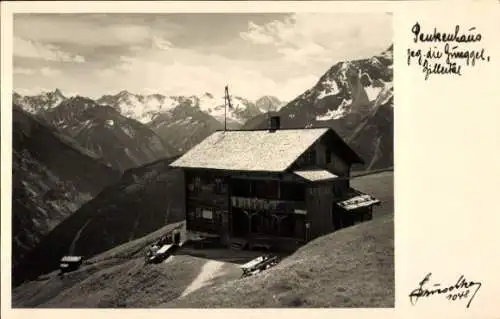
(207, 202)
(331, 162)
(210, 210)
(334, 163)
(319, 209)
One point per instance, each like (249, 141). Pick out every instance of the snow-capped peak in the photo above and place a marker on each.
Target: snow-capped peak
(145, 108)
(40, 102)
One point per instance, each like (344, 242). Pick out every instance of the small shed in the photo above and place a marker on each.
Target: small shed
(70, 263)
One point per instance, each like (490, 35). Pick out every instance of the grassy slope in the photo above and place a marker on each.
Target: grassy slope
(50, 288)
(131, 284)
(353, 267)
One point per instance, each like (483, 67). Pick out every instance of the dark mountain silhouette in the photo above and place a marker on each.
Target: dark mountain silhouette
(52, 177)
(145, 199)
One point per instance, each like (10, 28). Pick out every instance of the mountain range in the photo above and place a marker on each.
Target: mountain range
(180, 122)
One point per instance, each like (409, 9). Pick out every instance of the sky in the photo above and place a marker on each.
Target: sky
(280, 54)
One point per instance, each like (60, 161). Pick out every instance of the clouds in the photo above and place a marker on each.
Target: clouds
(181, 77)
(90, 30)
(31, 49)
(45, 71)
(323, 36)
(24, 71)
(185, 54)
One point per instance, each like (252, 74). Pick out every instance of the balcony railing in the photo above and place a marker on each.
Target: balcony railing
(253, 203)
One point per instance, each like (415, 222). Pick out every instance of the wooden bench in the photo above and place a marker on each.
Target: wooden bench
(258, 264)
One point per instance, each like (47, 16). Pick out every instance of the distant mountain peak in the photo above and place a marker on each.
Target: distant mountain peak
(124, 93)
(268, 103)
(388, 53)
(79, 98)
(57, 91)
(35, 104)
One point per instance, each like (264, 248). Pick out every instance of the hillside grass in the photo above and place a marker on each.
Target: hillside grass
(380, 185)
(361, 173)
(131, 284)
(353, 267)
(47, 287)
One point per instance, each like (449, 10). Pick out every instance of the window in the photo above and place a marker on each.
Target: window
(310, 157)
(195, 185)
(240, 187)
(293, 192)
(207, 214)
(266, 189)
(219, 186)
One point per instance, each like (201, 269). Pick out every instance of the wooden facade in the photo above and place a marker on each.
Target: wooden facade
(279, 208)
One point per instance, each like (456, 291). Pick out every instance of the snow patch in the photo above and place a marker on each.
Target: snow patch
(388, 54)
(386, 93)
(110, 122)
(374, 61)
(372, 92)
(144, 109)
(330, 88)
(343, 72)
(335, 114)
(128, 131)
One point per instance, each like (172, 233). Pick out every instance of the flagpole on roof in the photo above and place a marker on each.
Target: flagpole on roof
(227, 103)
(225, 106)
(268, 111)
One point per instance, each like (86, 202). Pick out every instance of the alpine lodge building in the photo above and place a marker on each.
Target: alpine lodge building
(274, 188)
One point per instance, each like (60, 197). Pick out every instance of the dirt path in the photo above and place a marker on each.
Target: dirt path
(208, 272)
(73, 243)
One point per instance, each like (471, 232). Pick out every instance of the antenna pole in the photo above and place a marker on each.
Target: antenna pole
(225, 106)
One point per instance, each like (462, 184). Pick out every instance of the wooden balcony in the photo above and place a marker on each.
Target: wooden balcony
(253, 203)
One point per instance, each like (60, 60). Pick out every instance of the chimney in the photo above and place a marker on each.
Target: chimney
(274, 123)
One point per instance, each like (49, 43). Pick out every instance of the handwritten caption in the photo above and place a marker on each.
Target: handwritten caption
(463, 289)
(448, 53)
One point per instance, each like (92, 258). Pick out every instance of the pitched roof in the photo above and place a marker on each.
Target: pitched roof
(70, 259)
(315, 175)
(257, 150)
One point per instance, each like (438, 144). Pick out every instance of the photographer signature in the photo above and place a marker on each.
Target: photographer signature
(462, 289)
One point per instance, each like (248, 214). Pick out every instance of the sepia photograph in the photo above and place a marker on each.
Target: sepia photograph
(203, 160)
